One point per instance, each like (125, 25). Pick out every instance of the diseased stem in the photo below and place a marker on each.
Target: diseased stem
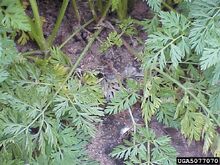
(190, 93)
(37, 26)
(92, 8)
(76, 10)
(58, 22)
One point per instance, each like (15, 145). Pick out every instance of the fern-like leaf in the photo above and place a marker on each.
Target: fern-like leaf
(122, 101)
(12, 15)
(192, 125)
(154, 4)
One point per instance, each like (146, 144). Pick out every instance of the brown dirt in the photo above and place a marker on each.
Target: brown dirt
(109, 131)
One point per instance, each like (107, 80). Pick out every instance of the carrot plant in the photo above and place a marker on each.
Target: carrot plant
(180, 87)
(48, 112)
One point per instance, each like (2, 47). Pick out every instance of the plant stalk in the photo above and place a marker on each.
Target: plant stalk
(75, 32)
(122, 9)
(52, 37)
(168, 6)
(106, 9)
(76, 10)
(92, 8)
(100, 5)
(37, 25)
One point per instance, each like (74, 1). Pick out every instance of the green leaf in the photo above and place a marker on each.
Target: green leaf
(145, 145)
(171, 42)
(122, 101)
(3, 75)
(205, 15)
(210, 57)
(192, 125)
(163, 152)
(12, 15)
(154, 4)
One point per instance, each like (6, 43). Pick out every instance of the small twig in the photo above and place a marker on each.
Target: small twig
(75, 32)
(98, 39)
(37, 52)
(133, 122)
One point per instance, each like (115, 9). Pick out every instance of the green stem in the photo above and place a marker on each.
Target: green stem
(75, 32)
(148, 153)
(190, 93)
(106, 9)
(37, 26)
(125, 8)
(100, 5)
(58, 22)
(122, 9)
(82, 55)
(92, 8)
(37, 52)
(168, 6)
(76, 10)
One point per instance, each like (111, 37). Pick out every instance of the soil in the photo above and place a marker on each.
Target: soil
(110, 131)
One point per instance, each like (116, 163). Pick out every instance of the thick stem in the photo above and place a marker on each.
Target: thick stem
(58, 22)
(190, 93)
(122, 9)
(125, 8)
(37, 26)
(92, 8)
(76, 10)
